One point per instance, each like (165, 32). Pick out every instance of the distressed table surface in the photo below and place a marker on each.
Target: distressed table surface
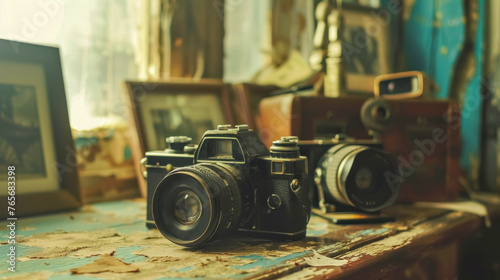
(110, 241)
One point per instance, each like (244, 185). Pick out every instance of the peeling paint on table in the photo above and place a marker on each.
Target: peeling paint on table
(51, 246)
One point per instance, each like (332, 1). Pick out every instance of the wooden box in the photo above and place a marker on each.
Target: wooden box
(424, 136)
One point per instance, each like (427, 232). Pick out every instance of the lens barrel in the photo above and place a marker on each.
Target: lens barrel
(196, 204)
(358, 176)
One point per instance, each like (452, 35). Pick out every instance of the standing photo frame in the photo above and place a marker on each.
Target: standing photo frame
(35, 134)
(177, 107)
(366, 47)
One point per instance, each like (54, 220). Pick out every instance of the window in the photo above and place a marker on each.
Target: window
(97, 44)
(245, 54)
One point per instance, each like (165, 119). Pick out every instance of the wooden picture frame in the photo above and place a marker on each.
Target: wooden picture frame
(366, 47)
(35, 134)
(246, 102)
(175, 107)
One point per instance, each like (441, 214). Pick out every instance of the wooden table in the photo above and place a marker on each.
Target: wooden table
(111, 241)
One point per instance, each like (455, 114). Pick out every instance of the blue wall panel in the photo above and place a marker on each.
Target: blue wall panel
(434, 33)
(472, 109)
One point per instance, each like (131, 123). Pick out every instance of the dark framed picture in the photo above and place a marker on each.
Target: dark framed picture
(35, 135)
(366, 47)
(181, 107)
(246, 102)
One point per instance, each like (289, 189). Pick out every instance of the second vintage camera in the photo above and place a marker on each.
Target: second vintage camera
(231, 181)
(350, 175)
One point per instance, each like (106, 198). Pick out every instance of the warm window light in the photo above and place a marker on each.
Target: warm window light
(98, 50)
(81, 114)
(83, 118)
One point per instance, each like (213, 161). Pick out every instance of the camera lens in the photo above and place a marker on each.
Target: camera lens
(356, 175)
(187, 207)
(381, 113)
(363, 178)
(196, 204)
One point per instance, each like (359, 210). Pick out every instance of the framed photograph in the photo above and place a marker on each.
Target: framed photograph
(35, 135)
(181, 107)
(246, 102)
(366, 48)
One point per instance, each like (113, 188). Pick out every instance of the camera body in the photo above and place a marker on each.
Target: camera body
(350, 175)
(230, 181)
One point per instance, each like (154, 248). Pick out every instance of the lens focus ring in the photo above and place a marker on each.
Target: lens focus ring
(336, 158)
(356, 176)
(196, 204)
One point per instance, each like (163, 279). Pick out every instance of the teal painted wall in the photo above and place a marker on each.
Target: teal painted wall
(434, 33)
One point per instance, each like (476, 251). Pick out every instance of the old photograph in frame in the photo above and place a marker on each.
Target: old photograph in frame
(365, 47)
(35, 135)
(177, 107)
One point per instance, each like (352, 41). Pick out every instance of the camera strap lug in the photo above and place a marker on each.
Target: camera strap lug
(295, 187)
(144, 162)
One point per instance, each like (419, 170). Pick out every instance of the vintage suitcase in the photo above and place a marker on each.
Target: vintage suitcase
(424, 136)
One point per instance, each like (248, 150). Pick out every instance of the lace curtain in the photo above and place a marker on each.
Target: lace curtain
(98, 41)
(103, 43)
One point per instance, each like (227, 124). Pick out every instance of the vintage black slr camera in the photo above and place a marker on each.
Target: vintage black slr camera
(230, 181)
(347, 174)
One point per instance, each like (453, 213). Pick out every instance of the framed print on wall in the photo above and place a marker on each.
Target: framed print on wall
(35, 135)
(365, 44)
(177, 107)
